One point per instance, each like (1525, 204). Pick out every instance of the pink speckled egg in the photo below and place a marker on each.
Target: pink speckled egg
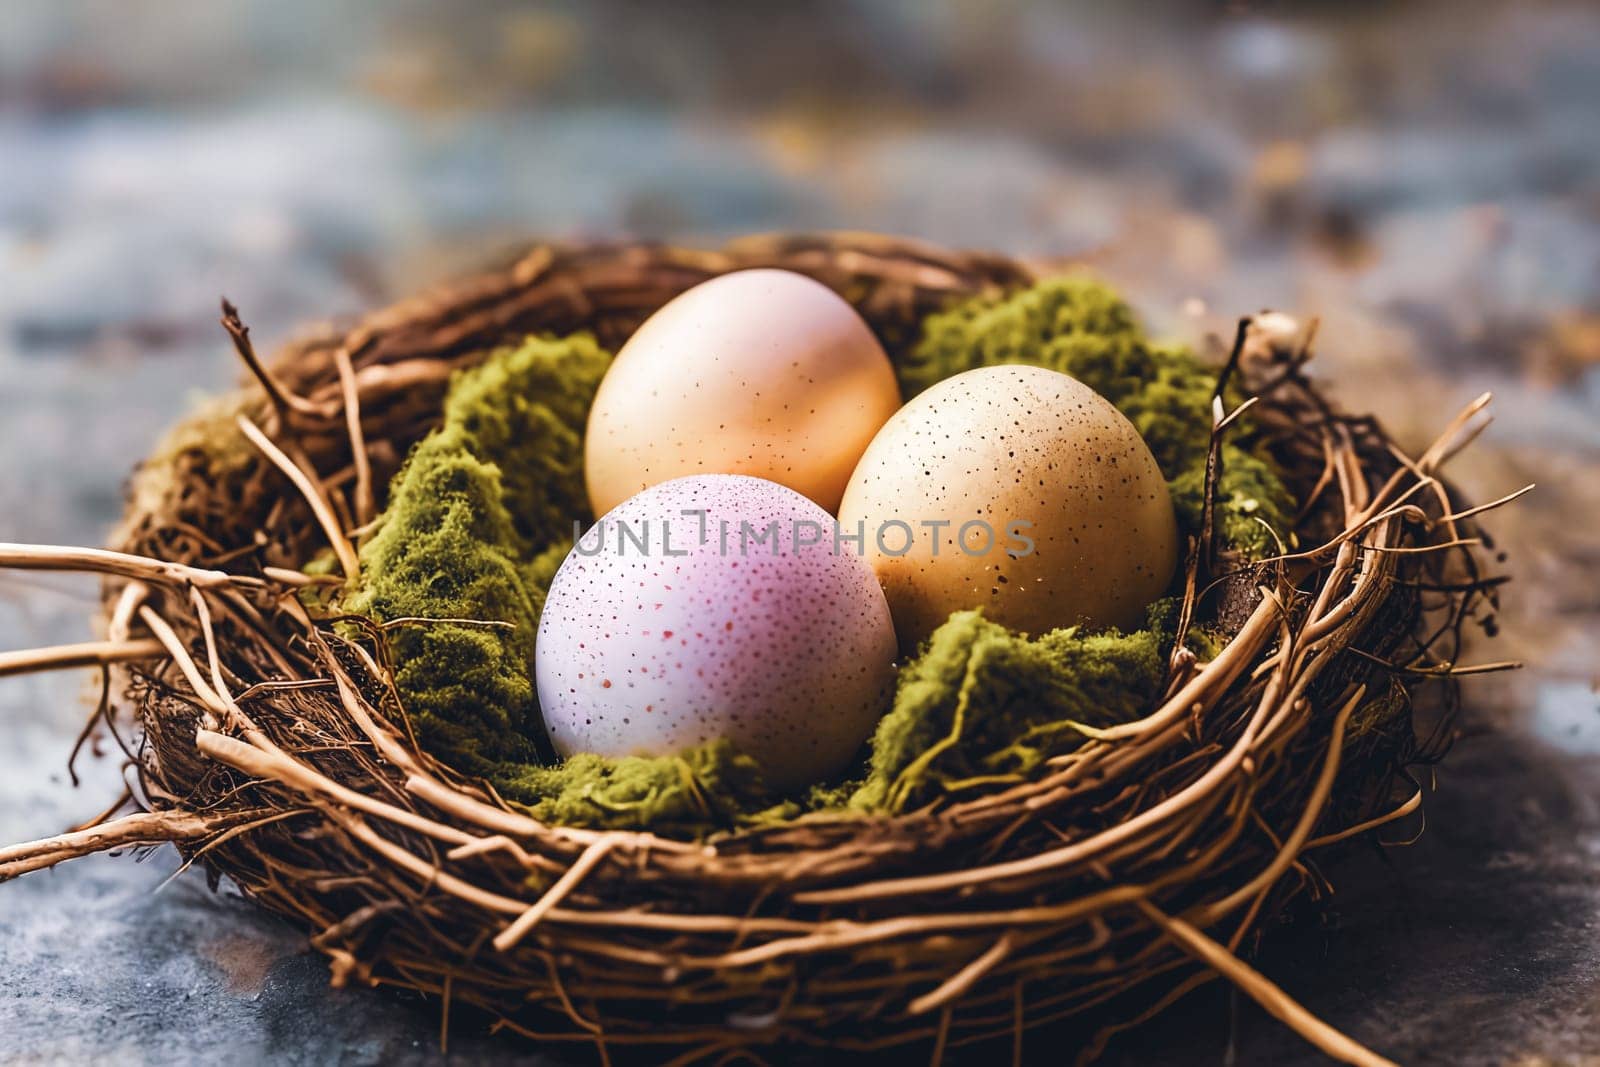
(716, 605)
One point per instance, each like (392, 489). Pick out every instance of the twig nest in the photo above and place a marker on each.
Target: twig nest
(1093, 880)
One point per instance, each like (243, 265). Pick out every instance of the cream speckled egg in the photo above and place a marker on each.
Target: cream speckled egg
(715, 606)
(1081, 518)
(760, 372)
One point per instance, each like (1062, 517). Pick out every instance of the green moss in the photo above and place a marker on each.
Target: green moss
(983, 705)
(480, 518)
(1082, 328)
(706, 788)
(524, 410)
(212, 429)
(448, 551)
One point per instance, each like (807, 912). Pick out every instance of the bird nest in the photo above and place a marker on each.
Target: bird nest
(272, 748)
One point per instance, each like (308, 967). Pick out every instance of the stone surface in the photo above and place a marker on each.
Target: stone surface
(1422, 178)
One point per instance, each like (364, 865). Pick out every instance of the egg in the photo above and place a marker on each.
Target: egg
(715, 606)
(759, 372)
(1018, 490)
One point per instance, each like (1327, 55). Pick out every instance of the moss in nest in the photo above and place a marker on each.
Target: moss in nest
(448, 552)
(982, 704)
(708, 787)
(524, 410)
(212, 431)
(1082, 328)
(479, 519)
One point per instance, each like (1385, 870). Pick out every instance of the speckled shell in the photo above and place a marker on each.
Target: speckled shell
(650, 651)
(1015, 444)
(759, 372)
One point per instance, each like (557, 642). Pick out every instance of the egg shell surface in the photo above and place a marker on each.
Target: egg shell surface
(1013, 444)
(784, 647)
(761, 372)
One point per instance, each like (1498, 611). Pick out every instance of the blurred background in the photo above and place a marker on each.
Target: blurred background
(1424, 177)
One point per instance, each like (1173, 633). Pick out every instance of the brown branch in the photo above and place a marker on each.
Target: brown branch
(365, 502)
(282, 399)
(86, 654)
(1277, 1003)
(139, 829)
(122, 564)
(592, 856)
(312, 493)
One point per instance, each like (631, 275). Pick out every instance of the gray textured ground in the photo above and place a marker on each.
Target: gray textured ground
(1425, 179)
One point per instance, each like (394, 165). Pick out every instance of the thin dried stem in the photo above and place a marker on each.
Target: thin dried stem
(1277, 1003)
(86, 654)
(524, 923)
(366, 502)
(121, 564)
(139, 829)
(313, 496)
(281, 398)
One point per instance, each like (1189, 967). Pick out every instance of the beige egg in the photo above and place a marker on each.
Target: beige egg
(759, 372)
(1018, 490)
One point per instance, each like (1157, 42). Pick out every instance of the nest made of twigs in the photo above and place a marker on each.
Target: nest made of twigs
(275, 751)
